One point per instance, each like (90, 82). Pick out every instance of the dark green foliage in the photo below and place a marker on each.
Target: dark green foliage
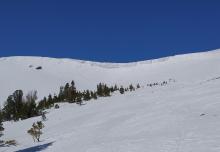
(138, 86)
(93, 95)
(50, 101)
(30, 108)
(86, 95)
(122, 90)
(42, 104)
(131, 88)
(18, 96)
(116, 88)
(103, 90)
(56, 106)
(16, 107)
(9, 108)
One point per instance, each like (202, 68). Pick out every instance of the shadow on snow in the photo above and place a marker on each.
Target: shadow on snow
(36, 148)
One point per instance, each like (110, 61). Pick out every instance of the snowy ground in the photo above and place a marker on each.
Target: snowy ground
(183, 116)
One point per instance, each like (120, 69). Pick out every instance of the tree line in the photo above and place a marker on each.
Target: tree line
(18, 106)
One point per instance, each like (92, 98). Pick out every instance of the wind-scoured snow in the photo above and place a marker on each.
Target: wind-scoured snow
(182, 116)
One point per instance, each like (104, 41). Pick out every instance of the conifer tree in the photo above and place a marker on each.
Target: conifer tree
(122, 90)
(115, 87)
(18, 99)
(131, 88)
(9, 108)
(87, 95)
(30, 104)
(49, 102)
(138, 86)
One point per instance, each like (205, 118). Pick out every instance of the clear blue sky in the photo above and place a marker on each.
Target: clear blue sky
(108, 30)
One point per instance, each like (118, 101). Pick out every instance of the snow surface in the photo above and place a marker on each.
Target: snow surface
(183, 116)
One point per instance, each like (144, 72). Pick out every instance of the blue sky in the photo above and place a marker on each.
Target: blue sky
(108, 30)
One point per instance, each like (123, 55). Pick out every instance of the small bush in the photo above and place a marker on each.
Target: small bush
(11, 143)
(56, 106)
(35, 131)
(39, 68)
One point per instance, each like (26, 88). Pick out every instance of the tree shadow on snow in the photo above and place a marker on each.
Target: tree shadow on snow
(36, 148)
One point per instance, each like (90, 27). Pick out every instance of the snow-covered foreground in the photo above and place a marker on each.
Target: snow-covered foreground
(172, 118)
(183, 116)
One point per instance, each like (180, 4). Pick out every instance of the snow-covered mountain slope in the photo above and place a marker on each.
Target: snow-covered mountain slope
(173, 118)
(182, 116)
(21, 73)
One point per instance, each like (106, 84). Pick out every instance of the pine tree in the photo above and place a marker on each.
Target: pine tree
(49, 101)
(42, 104)
(121, 90)
(61, 94)
(9, 108)
(131, 88)
(30, 105)
(115, 87)
(79, 98)
(18, 99)
(99, 90)
(138, 86)
(66, 91)
(95, 96)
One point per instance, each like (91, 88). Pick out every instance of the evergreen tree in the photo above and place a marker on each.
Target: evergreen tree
(9, 109)
(86, 95)
(106, 91)
(99, 90)
(138, 86)
(93, 95)
(49, 101)
(30, 105)
(55, 99)
(42, 104)
(18, 99)
(79, 98)
(121, 90)
(61, 94)
(66, 91)
(131, 88)
(73, 91)
(115, 87)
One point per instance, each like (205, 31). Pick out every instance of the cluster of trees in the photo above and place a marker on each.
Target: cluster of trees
(69, 93)
(157, 83)
(19, 106)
